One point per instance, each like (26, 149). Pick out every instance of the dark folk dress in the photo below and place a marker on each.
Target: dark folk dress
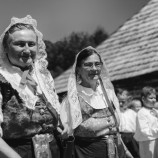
(20, 123)
(87, 142)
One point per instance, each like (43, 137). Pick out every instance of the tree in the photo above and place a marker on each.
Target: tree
(99, 36)
(61, 54)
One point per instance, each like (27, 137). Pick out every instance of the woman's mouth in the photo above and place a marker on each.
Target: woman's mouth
(94, 75)
(26, 59)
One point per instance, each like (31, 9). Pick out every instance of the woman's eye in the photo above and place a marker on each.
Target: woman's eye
(88, 64)
(20, 44)
(31, 44)
(23, 44)
(98, 64)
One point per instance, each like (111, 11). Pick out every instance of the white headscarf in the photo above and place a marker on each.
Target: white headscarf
(13, 76)
(72, 97)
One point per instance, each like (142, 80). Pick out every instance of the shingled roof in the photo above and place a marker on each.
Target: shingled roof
(131, 51)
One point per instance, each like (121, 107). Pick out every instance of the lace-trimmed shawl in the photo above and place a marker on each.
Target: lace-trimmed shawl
(74, 104)
(44, 77)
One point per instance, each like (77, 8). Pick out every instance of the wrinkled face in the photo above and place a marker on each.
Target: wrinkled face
(149, 101)
(22, 48)
(90, 69)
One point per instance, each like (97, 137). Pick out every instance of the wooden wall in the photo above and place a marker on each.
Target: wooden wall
(134, 85)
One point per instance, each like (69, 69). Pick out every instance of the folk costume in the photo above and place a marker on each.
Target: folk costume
(88, 115)
(29, 105)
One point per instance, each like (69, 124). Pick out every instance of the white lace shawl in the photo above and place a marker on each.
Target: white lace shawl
(71, 103)
(45, 80)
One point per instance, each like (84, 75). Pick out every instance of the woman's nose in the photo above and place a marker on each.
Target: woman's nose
(94, 67)
(27, 49)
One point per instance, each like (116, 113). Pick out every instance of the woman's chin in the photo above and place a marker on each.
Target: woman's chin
(26, 61)
(23, 64)
(96, 77)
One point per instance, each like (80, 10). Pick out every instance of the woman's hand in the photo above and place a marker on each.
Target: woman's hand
(112, 130)
(65, 132)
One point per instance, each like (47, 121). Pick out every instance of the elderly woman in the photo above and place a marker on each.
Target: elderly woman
(91, 108)
(29, 105)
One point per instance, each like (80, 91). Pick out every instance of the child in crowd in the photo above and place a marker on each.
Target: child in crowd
(135, 105)
(128, 122)
(147, 125)
(124, 98)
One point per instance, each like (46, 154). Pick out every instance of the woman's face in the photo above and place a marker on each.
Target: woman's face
(90, 70)
(22, 47)
(149, 101)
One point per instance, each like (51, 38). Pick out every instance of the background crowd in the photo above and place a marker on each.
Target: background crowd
(139, 127)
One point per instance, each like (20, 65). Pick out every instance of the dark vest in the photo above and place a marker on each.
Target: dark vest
(20, 121)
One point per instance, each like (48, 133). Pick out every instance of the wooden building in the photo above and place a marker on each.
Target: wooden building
(131, 53)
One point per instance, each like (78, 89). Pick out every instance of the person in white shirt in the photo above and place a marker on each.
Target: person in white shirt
(127, 122)
(147, 125)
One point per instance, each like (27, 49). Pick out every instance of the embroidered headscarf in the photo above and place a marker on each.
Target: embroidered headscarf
(45, 80)
(74, 105)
